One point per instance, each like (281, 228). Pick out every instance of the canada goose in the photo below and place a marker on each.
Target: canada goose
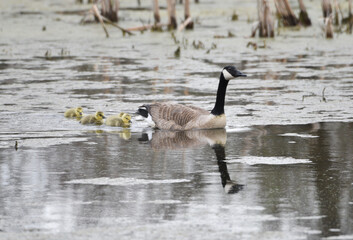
(93, 119)
(168, 116)
(119, 120)
(74, 112)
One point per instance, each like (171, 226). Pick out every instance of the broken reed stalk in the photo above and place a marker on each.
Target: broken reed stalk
(190, 23)
(328, 27)
(172, 23)
(117, 26)
(286, 13)
(110, 9)
(185, 24)
(99, 17)
(266, 25)
(303, 15)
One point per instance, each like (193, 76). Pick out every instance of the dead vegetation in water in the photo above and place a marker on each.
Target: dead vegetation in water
(265, 24)
(335, 19)
(285, 13)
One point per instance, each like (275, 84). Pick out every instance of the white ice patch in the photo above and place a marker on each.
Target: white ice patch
(297, 135)
(253, 160)
(123, 181)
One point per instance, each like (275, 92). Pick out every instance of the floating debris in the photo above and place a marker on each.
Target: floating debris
(235, 16)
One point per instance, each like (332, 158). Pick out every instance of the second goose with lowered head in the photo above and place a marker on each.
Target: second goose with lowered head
(167, 116)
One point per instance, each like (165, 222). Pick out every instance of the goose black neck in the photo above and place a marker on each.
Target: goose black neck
(221, 93)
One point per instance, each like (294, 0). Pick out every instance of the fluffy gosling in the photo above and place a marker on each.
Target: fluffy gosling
(74, 112)
(119, 120)
(93, 119)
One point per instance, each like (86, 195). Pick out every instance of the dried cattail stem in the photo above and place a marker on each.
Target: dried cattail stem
(190, 23)
(350, 17)
(336, 19)
(99, 17)
(266, 25)
(328, 27)
(326, 8)
(157, 17)
(110, 9)
(327, 12)
(303, 15)
(286, 13)
(172, 24)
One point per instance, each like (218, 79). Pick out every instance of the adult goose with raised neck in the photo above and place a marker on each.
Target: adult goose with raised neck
(168, 116)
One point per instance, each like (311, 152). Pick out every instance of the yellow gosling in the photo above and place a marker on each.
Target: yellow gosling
(74, 112)
(93, 119)
(119, 120)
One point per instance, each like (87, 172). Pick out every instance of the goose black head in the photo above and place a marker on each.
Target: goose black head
(230, 72)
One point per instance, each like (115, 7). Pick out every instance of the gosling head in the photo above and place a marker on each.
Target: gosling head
(230, 72)
(79, 111)
(99, 116)
(126, 119)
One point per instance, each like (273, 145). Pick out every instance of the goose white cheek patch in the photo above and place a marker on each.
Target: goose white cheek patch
(227, 75)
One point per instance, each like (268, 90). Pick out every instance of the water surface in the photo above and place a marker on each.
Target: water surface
(282, 168)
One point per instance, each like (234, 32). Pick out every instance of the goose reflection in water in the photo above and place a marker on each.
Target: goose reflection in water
(216, 138)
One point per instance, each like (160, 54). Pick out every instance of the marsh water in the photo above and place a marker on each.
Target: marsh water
(282, 168)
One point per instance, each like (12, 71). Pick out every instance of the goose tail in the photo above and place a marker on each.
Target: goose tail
(143, 111)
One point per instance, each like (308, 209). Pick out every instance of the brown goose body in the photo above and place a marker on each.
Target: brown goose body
(167, 116)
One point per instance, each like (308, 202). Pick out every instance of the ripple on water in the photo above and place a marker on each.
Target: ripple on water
(254, 160)
(124, 181)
